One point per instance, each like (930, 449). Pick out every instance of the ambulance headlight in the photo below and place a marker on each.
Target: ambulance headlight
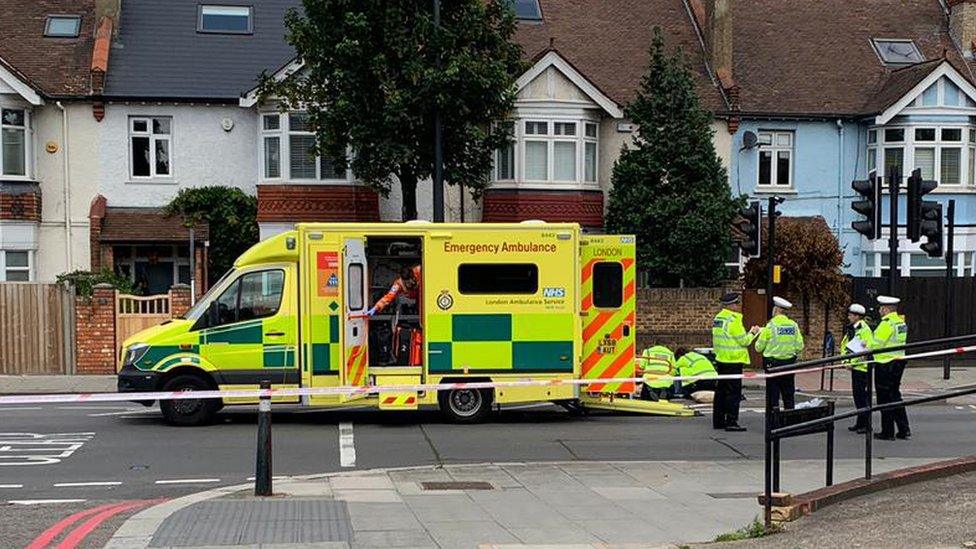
(135, 353)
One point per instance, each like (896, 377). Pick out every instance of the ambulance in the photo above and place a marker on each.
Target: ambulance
(493, 303)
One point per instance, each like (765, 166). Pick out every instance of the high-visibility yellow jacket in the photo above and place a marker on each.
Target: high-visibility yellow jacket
(657, 361)
(780, 339)
(892, 331)
(863, 332)
(694, 364)
(730, 340)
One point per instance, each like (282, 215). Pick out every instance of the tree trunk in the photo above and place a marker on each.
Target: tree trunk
(408, 189)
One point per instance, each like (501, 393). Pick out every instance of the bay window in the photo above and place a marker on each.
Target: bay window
(946, 154)
(287, 144)
(553, 152)
(14, 139)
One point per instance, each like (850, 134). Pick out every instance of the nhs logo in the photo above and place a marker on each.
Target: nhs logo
(554, 292)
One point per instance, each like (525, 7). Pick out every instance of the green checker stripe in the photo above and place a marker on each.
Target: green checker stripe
(439, 357)
(542, 327)
(156, 353)
(542, 355)
(519, 356)
(333, 328)
(279, 356)
(321, 358)
(481, 328)
(242, 333)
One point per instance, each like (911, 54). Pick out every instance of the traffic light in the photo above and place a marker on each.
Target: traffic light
(917, 189)
(752, 219)
(930, 227)
(869, 205)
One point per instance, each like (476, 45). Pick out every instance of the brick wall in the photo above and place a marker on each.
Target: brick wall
(95, 331)
(21, 202)
(179, 300)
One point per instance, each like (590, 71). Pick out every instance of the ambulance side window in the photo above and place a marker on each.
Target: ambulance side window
(354, 285)
(608, 285)
(498, 278)
(260, 294)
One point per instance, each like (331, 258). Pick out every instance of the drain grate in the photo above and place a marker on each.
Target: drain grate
(457, 485)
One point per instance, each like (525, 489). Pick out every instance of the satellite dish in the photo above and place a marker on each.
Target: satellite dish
(749, 140)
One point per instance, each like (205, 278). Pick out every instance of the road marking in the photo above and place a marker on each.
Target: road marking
(19, 408)
(11, 485)
(249, 479)
(94, 483)
(55, 530)
(188, 481)
(124, 413)
(42, 501)
(98, 408)
(347, 446)
(973, 406)
(76, 536)
(39, 449)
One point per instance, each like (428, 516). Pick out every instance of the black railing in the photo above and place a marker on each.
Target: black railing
(774, 433)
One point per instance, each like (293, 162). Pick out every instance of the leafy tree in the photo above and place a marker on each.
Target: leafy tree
(670, 188)
(84, 281)
(811, 263)
(232, 216)
(372, 81)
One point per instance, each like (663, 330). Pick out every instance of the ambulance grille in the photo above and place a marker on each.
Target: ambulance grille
(457, 485)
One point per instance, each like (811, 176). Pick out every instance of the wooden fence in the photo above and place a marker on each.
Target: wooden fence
(135, 313)
(36, 329)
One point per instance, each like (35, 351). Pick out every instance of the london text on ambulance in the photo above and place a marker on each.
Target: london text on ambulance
(504, 247)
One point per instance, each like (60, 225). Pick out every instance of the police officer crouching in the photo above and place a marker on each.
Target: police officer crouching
(857, 338)
(892, 331)
(780, 342)
(730, 342)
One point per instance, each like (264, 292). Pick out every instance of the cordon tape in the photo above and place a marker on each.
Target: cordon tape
(373, 389)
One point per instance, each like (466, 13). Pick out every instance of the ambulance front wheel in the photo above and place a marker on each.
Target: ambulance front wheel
(465, 405)
(188, 412)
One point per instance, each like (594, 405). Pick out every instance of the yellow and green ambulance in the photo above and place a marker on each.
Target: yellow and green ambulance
(495, 302)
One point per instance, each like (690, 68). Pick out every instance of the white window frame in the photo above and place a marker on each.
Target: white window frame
(961, 267)
(29, 268)
(875, 44)
(521, 140)
(153, 139)
(966, 146)
(496, 170)
(774, 150)
(28, 143)
(284, 144)
(204, 7)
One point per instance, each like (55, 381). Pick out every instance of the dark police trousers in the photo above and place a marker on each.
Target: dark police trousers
(782, 386)
(859, 386)
(887, 381)
(728, 393)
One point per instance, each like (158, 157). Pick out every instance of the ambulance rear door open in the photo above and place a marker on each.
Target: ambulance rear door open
(607, 308)
(355, 335)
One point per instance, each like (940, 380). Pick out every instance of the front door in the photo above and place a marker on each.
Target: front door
(607, 308)
(355, 291)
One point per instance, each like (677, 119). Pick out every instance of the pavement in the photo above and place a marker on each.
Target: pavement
(571, 504)
(935, 513)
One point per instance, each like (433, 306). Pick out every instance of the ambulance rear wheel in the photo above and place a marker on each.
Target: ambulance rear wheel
(188, 412)
(465, 405)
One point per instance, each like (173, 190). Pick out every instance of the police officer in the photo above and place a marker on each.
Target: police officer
(693, 364)
(857, 338)
(656, 361)
(730, 342)
(892, 331)
(780, 342)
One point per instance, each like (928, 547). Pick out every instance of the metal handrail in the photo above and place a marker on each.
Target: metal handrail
(872, 352)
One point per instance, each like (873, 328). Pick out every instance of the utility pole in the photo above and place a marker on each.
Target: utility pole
(894, 184)
(951, 230)
(438, 132)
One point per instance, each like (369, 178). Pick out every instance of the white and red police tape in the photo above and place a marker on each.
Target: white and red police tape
(373, 389)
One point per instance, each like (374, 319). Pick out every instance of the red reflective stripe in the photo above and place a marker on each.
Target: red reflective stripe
(587, 302)
(593, 327)
(627, 263)
(588, 270)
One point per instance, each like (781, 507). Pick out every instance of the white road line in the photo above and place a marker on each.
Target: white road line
(960, 408)
(347, 446)
(98, 408)
(94, 483)
(125, 413)
(188, 481)
(19, 408)
(11, 485)
(251, 479)
(43, 501)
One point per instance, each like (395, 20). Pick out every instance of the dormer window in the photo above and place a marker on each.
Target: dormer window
(62, 26)
(897, 52)
(225, 19)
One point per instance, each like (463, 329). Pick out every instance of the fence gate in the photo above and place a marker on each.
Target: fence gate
(36, 329)
(135, 313)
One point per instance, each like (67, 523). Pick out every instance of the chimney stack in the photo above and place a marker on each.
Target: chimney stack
(720, 40)
(962, 24)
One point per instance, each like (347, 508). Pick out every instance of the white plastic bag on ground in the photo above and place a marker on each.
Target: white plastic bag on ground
(703, 397)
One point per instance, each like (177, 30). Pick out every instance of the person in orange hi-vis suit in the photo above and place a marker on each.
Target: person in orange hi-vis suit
(408, 284)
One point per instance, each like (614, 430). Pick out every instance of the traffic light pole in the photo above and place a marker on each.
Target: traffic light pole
(894, 183)
(950, 236)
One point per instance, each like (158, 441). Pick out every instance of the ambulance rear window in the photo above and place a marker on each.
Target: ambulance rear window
(608, 285)
(498, 278)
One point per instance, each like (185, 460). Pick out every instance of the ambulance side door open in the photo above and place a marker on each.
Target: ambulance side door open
(356, 324)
